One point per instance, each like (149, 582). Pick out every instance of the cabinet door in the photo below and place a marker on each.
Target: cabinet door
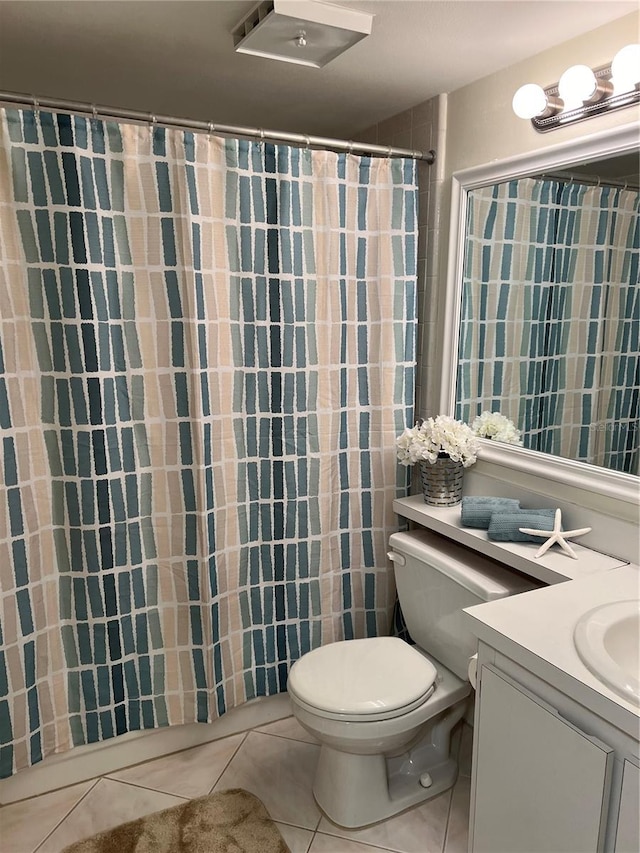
(540, 784)
(628, 833)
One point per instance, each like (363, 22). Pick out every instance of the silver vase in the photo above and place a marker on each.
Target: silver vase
(442, 481)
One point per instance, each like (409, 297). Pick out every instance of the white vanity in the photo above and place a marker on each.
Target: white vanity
(556, 753)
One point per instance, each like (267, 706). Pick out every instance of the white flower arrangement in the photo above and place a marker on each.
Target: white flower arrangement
(497, 427)
(434, 437)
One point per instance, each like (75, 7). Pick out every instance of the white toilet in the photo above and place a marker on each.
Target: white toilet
(384, 710)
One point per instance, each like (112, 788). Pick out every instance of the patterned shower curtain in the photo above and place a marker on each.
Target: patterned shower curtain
(207, 350)
(550, 325)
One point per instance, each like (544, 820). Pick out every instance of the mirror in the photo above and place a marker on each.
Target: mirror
(544, 306)
(550, 312)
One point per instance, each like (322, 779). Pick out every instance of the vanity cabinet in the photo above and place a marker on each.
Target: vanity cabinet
(542, 784)
(548, 775)
(628, 820)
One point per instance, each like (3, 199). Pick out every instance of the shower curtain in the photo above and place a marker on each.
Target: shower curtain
(207, 349)
(550, 317)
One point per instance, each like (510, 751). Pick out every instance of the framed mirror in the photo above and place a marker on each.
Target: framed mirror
(543, 309)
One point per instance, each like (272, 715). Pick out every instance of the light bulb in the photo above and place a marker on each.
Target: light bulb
(577, 85)
(529, 101)
(625, 69)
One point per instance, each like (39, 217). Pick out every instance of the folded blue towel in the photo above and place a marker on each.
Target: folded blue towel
(477, 510)
(505, 526)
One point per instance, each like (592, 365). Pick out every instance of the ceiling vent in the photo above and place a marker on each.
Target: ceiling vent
(305, 32)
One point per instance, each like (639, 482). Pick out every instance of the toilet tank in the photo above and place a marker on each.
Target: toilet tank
(436, 579)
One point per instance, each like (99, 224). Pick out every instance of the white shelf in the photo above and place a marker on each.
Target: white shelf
(553, 567)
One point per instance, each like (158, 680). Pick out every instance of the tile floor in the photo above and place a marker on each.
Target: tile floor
(276, 762)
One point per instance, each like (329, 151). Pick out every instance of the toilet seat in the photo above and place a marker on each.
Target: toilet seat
(377, 678)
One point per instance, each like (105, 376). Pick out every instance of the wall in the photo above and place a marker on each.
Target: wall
(482, 128)
(469, 127)
(422, 128)
(482, 124)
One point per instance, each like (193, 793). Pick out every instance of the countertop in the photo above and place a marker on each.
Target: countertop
(541, 623)
(552, 568)
(536, 628)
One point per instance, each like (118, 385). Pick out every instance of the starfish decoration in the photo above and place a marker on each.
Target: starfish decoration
(556, 535)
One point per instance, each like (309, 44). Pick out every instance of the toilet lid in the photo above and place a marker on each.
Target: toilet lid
(378, 675)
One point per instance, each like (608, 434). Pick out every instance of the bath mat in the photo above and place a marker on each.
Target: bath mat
(233, 821)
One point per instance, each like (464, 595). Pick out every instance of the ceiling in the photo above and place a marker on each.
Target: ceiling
(625, 168)
(177, 58)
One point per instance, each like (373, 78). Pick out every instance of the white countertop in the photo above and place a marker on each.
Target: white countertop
(542, 623)
(539, 624)
(553, 567)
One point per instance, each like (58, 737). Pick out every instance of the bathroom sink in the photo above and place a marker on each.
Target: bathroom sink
(607, 639)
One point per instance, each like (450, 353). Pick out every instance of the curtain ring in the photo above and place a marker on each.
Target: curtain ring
(211, 129)
(307, 141)
(152, 122)
(36, 105)
(94, 112)
(388, 152)
(350, 148)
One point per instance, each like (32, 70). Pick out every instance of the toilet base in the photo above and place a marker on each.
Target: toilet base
(357, 790)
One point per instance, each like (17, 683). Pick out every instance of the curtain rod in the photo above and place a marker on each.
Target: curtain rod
(58, 105)
(589, 180)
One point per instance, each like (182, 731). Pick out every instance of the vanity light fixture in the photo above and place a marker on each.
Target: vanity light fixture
(582, 92)
(579, 85)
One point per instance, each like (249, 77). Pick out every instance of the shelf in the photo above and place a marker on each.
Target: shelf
(553, 567)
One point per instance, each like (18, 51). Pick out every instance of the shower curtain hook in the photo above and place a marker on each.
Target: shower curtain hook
(210, 129)
(36, 105)
(388, 152)
(307, 141)
(350, 149)
(152, 122)
(94, 112)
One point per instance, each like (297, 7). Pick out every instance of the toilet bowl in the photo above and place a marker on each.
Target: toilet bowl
(357, 781)
(383, 710)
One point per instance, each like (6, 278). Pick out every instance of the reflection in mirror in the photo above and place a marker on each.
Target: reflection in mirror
(550, 311)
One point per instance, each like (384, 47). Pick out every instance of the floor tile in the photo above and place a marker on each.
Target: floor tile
(418, 830)
(190, 773)
(107, 804)
(288, 727)
(298, 840)
(24, 825)
(280, 772)
(458, 827)
(276, 762)
(329, 844)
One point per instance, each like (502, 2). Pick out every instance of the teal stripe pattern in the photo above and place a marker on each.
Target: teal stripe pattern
(550, 317)
(207, 348)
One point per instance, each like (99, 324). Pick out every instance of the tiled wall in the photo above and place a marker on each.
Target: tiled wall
(423, 127)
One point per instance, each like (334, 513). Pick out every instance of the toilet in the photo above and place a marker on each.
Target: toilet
(382, 709)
